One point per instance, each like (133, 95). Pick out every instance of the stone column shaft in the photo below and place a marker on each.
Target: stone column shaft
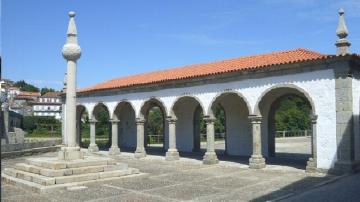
(256, 161)
(93, 147)
(71, 52)
(172, 153)
(140, 149)
(114, 149)
(71, 104)
(210, 155)
(311, 165)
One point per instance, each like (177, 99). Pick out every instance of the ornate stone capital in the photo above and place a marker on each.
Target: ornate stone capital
(140, 121)
(254, 118)
(92, 121)
(209, 120)
(114, 121)
(171, 120)
(313, 118)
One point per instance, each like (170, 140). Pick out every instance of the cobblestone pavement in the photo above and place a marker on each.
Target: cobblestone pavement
(184, 180)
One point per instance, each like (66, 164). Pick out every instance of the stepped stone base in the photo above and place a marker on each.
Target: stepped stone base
(210, 158)
(49, 174)
(257, 162)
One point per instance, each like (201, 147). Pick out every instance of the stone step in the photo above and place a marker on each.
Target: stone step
(31, 177)
(46, 163)
(95, 176)
(28, 168)
(76, 178)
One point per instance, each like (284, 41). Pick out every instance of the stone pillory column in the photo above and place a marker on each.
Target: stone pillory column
(140, 149)
(71, 52)
(114, 149)
(210, 155)
(256, 161)
(342, 43)
(172, 153)
(92, 146)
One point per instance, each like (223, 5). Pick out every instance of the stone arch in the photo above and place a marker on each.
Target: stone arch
(219, 95)
(80, 110)
(236, 109)
(187, 110)
(97, 106)
(149, 103)
(118, 105)
(124, 111)
(266, 106)
(102, 143)
(292, 87)
(143, 114)
(171, 113)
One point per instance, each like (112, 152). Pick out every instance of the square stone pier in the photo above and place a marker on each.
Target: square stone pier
(46, 174)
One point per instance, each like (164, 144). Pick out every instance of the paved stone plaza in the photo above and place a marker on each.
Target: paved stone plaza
(184, 180)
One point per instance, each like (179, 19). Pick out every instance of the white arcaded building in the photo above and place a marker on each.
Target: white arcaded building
(247, 88)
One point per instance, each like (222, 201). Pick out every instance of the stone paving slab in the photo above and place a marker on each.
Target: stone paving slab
(184, 180)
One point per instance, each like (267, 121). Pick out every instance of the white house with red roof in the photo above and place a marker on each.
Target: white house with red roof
(48, 104)
(247, 88)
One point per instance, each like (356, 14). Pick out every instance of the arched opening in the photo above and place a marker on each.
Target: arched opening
(154, 113)
(125, 113)
(82, 127)
(103, 126)
(232, 126)
(190, 127)
(286, 126)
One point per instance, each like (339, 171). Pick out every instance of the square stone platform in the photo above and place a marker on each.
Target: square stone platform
(46, 174)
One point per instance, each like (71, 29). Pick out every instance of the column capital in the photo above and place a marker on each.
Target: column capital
(92, 121)
(208, 119)
(313, 118)
(255, 118)
(140, 121)
(171, 119)
(113, 121)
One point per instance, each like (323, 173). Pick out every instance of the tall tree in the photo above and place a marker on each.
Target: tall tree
(46, 90)
(26, 86)
(293, 114)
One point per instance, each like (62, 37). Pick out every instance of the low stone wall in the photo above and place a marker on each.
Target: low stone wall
(12, 150)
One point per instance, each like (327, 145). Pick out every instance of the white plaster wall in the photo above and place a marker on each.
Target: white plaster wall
(320, 85)
(184, 112)
(238, 134)
(127, 128)
(356, 111)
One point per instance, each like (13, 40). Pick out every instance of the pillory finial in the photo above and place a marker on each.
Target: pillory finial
(342, 43)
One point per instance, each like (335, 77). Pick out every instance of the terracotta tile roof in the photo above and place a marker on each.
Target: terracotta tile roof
(212, 68)
(29, 94)
(52, 94)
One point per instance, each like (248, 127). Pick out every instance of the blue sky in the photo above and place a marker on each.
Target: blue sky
(120, 38)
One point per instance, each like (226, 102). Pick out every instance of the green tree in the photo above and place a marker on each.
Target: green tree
(25, 86)
(293, 114)
(46, 90)
(155, 122)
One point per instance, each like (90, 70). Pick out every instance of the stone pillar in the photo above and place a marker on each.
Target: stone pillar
(78, 132)
(256, 161)
(114, 149)
(71, 52)
(172, 153)
(311, 163)
(140, 149)
(210, 155)
(93, 147)
(344, 118)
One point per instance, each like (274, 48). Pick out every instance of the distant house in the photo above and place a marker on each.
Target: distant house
(22, 103)
(48, 105)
